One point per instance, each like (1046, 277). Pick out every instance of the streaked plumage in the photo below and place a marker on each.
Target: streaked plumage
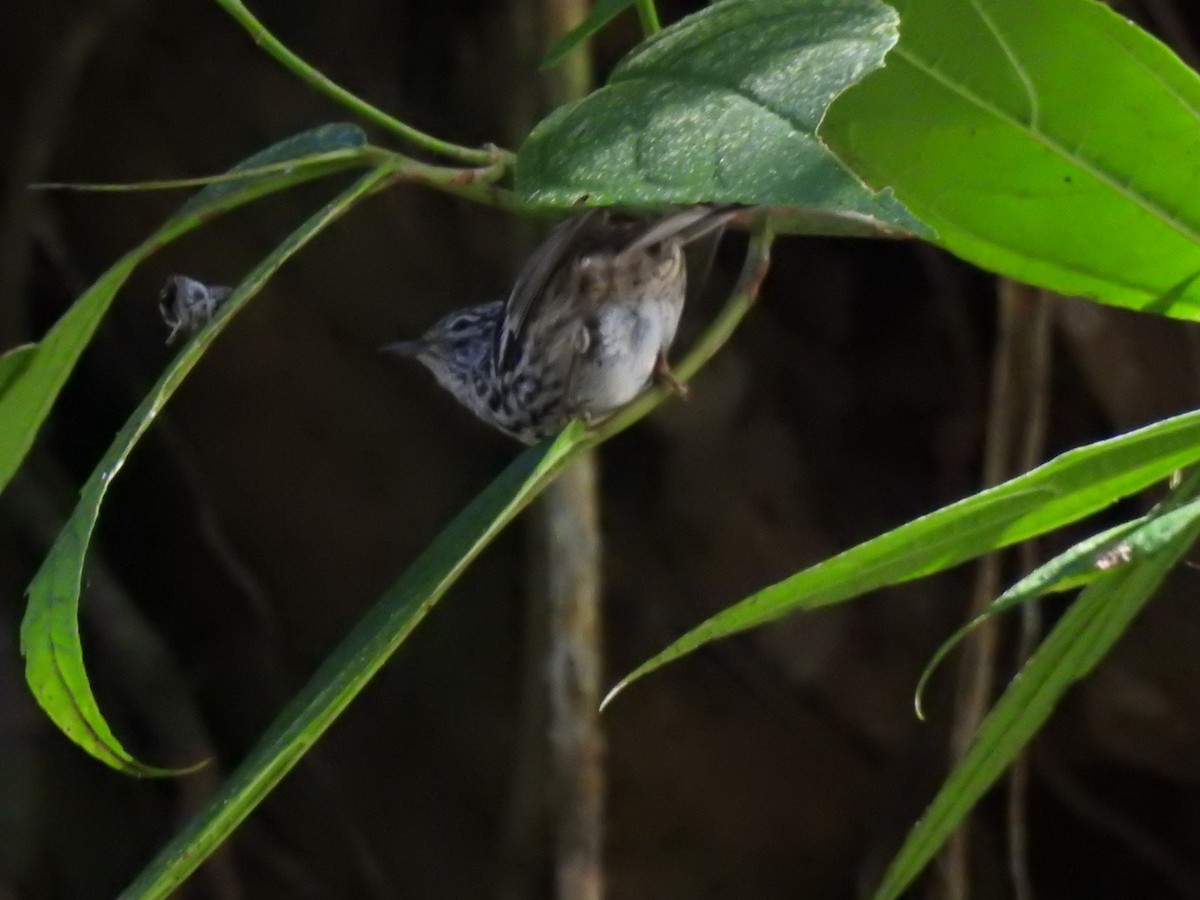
(588, 323)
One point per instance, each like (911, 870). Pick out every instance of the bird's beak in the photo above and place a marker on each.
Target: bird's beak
(406, 348)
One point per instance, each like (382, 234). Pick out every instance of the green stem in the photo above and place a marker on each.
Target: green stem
(476, 184)
(648, 16)
(314, 78)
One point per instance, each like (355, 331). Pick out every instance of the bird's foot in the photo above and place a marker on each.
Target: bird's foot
(663, 373)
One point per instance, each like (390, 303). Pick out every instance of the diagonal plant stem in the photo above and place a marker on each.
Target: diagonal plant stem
(315, 79)
(477, 184)
(392, 620)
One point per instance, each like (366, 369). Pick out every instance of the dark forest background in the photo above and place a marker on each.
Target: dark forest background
(299, 471)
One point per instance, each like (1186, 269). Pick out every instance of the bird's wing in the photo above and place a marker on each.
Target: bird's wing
(530, 288)
(577, 234)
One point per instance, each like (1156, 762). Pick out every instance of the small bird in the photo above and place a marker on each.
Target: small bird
(587, 326)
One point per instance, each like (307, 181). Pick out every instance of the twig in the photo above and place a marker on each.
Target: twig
(568, 523)
(567, 531)
(316, 79)
(1090, 808)
(1021, 336)
(1040, 311)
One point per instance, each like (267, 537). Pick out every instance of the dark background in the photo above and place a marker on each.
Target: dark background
(298, 472)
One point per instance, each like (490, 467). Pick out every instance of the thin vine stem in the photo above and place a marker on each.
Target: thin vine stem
(648, 16)
(265, 39)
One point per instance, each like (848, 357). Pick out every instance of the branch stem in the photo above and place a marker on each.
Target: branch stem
(315, 79)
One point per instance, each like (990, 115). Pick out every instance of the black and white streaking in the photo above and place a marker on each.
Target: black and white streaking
(587, 326)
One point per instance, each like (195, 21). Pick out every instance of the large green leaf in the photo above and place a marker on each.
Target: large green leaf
(1063, 490)
(50, 631)
(1053, 141)
(1078, 642)
(25, 401)
(723, 105)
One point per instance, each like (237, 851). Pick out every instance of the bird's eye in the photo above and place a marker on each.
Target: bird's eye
(459, 326)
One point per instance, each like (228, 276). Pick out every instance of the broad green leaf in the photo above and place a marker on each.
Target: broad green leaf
(25, 401)
(50, 630)
(1077, 643)
(1069, 487)
(603, 12)
(721, 106)
(1055, 142)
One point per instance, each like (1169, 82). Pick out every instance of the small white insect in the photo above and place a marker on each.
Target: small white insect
(188, 305)
(1117, 555)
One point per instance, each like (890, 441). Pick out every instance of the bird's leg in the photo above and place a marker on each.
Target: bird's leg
(663, 373)
(580, 341)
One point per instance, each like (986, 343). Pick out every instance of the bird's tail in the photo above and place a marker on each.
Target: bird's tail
(685, 225)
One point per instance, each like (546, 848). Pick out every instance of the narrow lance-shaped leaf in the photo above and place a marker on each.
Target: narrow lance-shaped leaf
(1077, 643)
(1063, 490)
(13, 363)
(721, 106)
(1099, 556)
(371, 643)
(1055, 142)
(50, 630)
(240, 173)
(356, 660)
(25, 401)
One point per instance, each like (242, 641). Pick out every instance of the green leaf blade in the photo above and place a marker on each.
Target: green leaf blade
(1055, 142)
(1069, 487)
(722, 106)
(50, 638)
(13, 363)
(25, 400)
(1085, 634)
(360, 655)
